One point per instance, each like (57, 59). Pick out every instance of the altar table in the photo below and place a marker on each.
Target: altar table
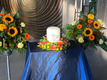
(52, 65)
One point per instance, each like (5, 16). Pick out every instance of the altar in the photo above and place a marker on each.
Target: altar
(51, 65)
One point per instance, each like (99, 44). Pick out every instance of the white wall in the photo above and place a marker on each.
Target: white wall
(68, 11)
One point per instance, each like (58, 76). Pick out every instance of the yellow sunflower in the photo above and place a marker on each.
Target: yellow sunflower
(91, 16)
(8, 18)
(88, 32)
(2, 27)
(12, 31)
(97, 25)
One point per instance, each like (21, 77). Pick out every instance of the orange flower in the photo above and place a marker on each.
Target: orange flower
(90, 21)
(79, 26)
(26, 35)
(92, 37)
(61, 42)
(1, 14)
(61, 38)
(52, 47)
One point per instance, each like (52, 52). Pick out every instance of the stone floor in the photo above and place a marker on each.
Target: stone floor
(17, 63)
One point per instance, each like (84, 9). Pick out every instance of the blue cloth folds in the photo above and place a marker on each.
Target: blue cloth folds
(52, 65)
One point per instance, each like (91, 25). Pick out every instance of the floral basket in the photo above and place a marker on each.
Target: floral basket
(87, 31)
(12, 34)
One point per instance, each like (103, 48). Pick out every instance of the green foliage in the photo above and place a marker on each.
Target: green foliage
(11, 33)
(79, 34)
(103, 46)
(93, 7)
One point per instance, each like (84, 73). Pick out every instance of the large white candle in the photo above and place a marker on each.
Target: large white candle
(53, 34)
(81, 6)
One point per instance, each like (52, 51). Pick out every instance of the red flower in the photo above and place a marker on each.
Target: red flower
(6, 30)
(90, 25)
(73, 35)
(40, 44)
(1, 14)
(16, 44)
(52, 47)
(46, 42)
(66, 42)
(85, 23)
(59, 45)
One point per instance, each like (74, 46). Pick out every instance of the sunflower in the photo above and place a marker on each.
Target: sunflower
(91, 16)
(2, 27)
(8, 18)
(12, 31)
(97, 25)
(91, 38)
(79, 26)
(88, 32)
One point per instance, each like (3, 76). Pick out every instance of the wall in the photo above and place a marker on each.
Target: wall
(38, 15)
(69, 10)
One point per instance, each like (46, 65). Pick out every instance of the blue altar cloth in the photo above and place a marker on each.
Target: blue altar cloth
(52, 65)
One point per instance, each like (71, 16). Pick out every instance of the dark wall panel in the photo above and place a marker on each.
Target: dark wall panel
(37, 14)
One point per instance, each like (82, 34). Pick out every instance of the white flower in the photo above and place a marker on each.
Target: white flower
(74, 22)
(100, 21)
(81, 40)
(22, 24)
(0, 43)
(101, 41)
(20, 45)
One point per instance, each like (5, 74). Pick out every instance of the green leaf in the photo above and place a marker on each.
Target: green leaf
(68, 26)
(103, 46)
(16, 15)
(1, 34)
(12, 24)
(102, 28)
(25, 31)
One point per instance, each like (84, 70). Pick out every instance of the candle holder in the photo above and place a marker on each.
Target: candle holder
(8, 63)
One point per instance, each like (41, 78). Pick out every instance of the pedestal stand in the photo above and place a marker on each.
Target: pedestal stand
(8, 63)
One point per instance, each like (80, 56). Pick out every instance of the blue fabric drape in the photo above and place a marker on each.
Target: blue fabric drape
(52, 65)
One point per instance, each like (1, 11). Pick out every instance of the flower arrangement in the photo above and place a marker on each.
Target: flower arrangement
(62, 44)
(12, 34)
(87, 32)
